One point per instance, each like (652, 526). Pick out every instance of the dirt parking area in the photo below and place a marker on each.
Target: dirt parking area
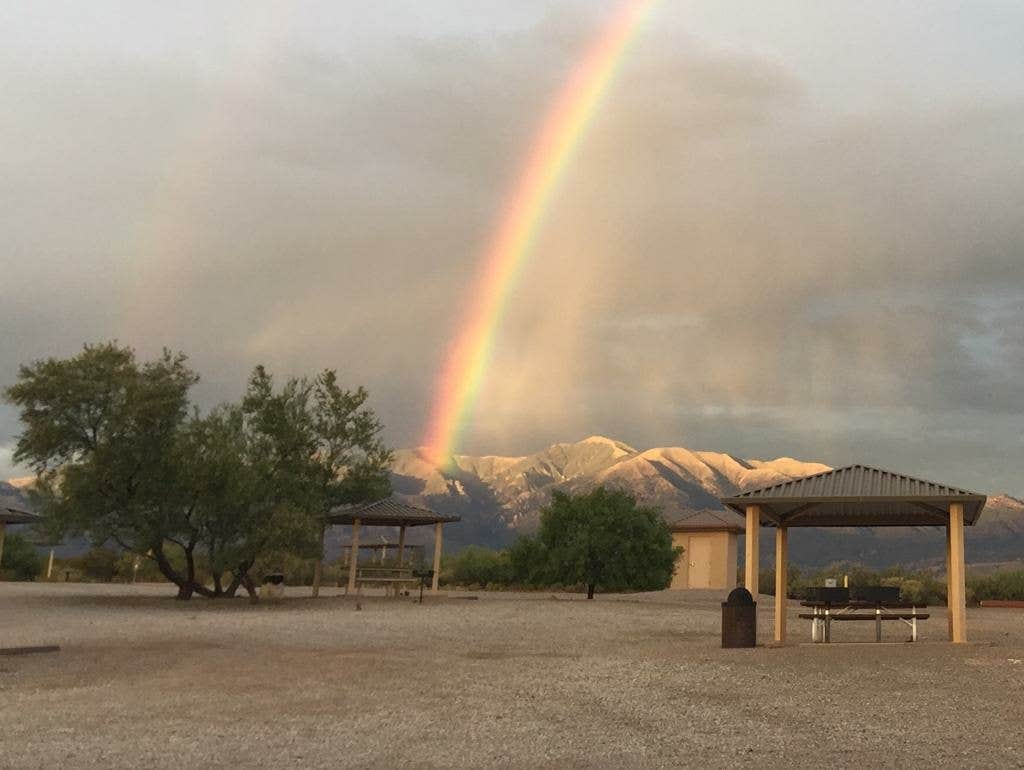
(504, 680)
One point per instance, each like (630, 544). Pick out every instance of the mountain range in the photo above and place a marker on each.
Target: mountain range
(499, 497)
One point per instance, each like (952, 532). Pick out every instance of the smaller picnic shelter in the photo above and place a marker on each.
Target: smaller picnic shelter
(859, 496)
(13, 516)
(390, 512)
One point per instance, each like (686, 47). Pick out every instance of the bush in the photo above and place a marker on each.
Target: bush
(20, 560)
(97, 564)
(923, 586)
(999, 585)
(476, 566)
(527, 559)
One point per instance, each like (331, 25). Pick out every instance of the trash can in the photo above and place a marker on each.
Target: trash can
(272, 586)
(739, 619)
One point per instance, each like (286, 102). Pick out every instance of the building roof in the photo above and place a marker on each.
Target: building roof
(708, 521)
(389, 512)
(858, 496)
(15, 516)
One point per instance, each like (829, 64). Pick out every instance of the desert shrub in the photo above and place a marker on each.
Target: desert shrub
(526, 559)
(922, 586)
(20, 560)
(999, 585)
(97, 564)
(477, 566)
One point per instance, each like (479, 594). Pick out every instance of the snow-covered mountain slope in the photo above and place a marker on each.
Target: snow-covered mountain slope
(498, 496)
(677, 479)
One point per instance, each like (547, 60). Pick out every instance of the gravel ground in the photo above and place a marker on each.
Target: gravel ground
(505, 680)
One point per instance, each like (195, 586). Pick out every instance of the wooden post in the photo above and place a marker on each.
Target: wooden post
(354, 556)
(401, 545)
(3, 527)
(49, 565)
(949, 598)
(957, 589)
(781, 581)
(318, 568)
(752, 541)
(437, 557)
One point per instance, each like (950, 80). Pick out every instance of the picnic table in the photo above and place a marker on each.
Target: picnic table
(823, 613)
(392, 578)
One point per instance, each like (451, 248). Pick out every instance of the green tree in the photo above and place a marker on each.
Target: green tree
(102, 433)
(266, 472)
(119, 458)
(600, 539)
(20, 560)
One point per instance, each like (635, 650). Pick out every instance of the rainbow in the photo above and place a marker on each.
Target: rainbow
(520, 221)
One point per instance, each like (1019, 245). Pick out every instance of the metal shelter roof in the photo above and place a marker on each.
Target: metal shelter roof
(858, 496)
(14, 516)
(388, 513)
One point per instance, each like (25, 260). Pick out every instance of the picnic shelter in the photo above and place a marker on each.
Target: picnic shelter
(858, 496)
(390, 512)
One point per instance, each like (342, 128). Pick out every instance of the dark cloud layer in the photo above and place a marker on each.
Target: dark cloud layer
(751, 252)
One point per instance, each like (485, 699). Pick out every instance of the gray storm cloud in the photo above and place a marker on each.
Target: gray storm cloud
(791, 235)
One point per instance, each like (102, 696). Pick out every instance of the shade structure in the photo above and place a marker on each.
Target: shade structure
(859, 496)
(14, 516)
(389, 512)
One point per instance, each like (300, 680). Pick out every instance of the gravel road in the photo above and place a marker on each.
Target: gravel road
(504, 680)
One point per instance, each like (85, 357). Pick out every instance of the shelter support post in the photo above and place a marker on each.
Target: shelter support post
(949, 605)
(751, 539)
(781, 582)
(318, 568)
(401, 545)
(957, 585)
(353, 557)
(3, 527)
(437, 557)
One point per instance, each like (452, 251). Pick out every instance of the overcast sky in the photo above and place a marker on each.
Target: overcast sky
(793, 229)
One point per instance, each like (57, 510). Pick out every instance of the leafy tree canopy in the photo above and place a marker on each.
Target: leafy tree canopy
(122, 456)
(601, 539)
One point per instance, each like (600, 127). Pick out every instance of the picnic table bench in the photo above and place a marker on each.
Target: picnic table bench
(393, 579)
(823, 613)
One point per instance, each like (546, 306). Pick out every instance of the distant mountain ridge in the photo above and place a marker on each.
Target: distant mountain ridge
(12, 494)
(676, 479)
(499, 496)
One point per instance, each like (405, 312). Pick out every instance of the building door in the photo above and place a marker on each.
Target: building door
(700, 562)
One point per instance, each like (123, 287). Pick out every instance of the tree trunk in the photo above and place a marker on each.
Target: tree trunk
(187, 585)
(168, 571)
(250, 586)
(590, 590)
(240, 577)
